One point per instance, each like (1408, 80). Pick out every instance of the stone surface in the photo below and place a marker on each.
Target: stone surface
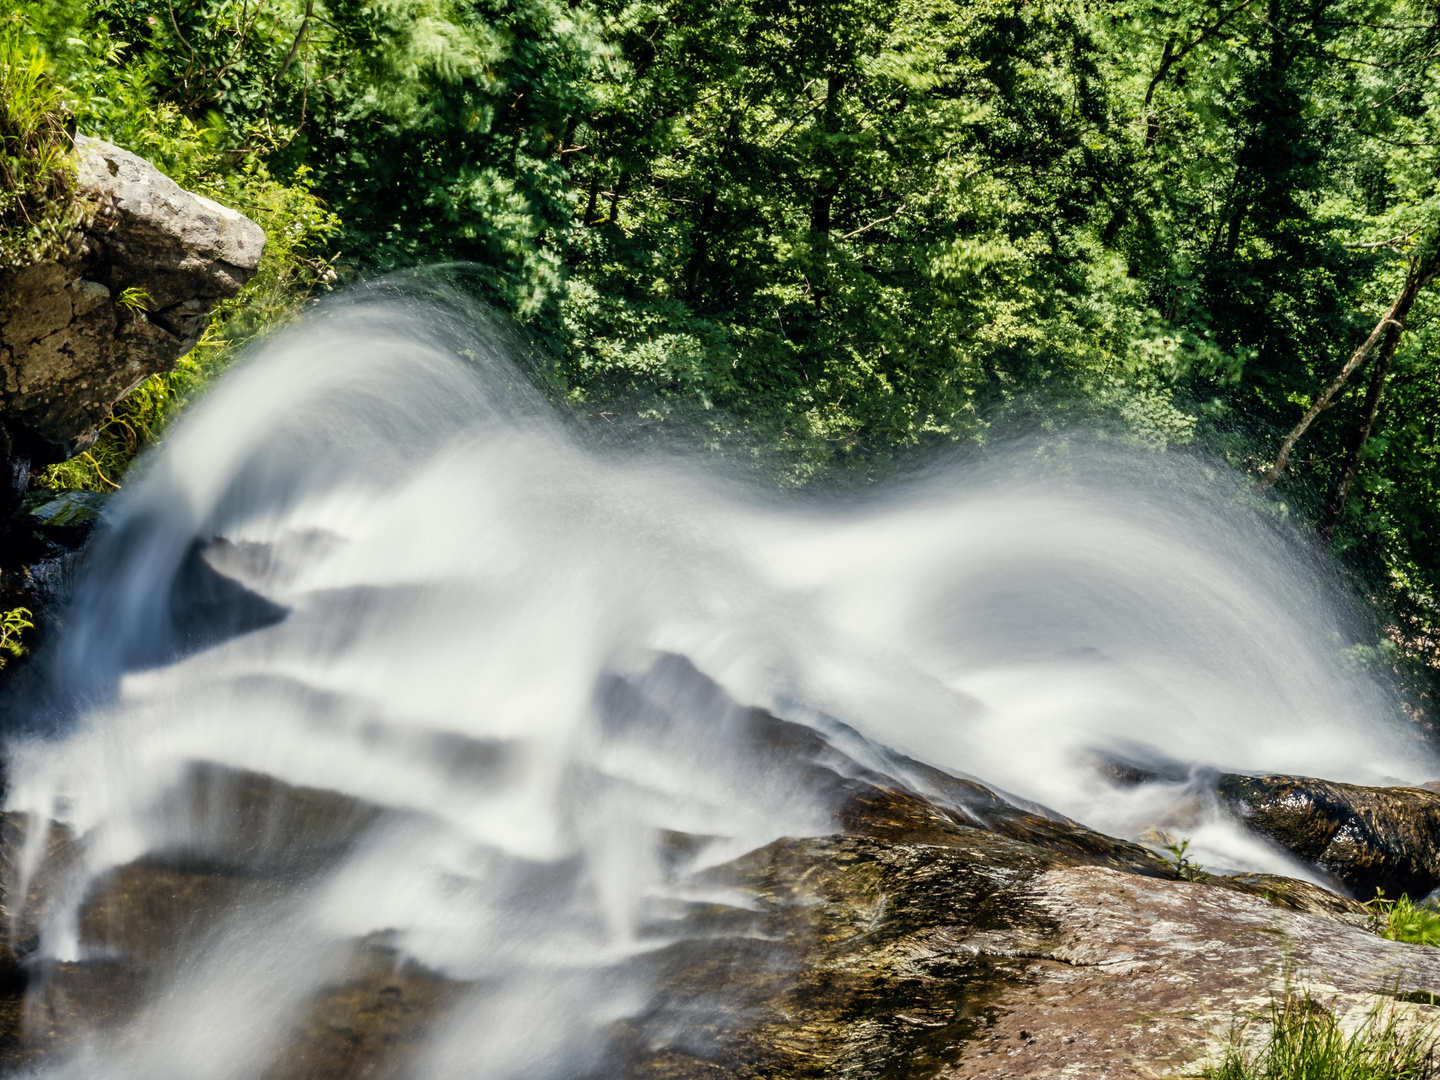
(973, 955)
(156, 236)
(248, 841)
(69, 349)
(368, 1025)
(1363, 838)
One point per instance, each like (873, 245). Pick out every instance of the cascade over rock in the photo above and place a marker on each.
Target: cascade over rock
(625, 773)
(944, 932)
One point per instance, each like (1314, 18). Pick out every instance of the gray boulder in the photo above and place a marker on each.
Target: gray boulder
(74, 341)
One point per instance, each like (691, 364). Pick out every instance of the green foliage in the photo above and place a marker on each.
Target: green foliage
(13, 624)
(1305, 1041)
(126, 81)
(1183, 865)
(133, 299)
(38, 208)
(1404, 920)
(833, 231)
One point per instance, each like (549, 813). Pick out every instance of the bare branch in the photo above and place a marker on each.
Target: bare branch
(878, 221)
(1324, 400)
(188, 48)
(1170, 59)
(1394, 241)
(299, 38)
(1424, 266)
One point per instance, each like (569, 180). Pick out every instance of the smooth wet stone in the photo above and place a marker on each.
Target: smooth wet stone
(247, 823)
(65, 508)
(1364, 838)
(1296, 895)
(369, 1024)
(27, 894)
(249, 841)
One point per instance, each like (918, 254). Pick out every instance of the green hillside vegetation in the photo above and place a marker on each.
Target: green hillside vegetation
(837, 232)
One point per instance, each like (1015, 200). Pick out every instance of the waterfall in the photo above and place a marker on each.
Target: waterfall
(377, 653)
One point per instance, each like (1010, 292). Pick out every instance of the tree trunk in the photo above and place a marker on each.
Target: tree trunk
(1424, 266)
(589, 218)
(1422, 271)
(829, 185)
(615, 194)
(1335, 505)
(700, 248)
(1328, 395)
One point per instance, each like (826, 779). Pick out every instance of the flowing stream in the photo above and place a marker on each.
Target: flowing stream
(372, 568)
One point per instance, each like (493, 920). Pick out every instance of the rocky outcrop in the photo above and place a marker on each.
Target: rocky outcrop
(1363, 838)
(130, 294)
(133, 295)
(941, 932)
(985, 957)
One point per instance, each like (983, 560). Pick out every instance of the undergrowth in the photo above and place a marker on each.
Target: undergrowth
(38, 206)
(1305, 1041)
(1185, 866)
(1174, 852)
(111, 86)
(1404, 920)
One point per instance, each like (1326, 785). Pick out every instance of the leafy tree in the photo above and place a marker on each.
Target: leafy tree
(835, 231)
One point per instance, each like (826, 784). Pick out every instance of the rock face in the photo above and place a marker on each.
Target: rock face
(1365, 838)
(76, 335)
(984, 957)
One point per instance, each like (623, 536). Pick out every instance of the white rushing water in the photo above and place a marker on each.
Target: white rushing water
(455, 576)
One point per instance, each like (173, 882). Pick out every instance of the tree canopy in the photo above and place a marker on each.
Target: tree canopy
(842, 230)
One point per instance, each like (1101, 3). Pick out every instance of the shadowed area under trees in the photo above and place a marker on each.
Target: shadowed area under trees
(833, 233)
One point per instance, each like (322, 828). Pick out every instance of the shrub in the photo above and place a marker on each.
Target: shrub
(13, 624)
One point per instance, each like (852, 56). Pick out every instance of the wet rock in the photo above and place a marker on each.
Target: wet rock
(1363, 838)
(248, 842)
(28, 890)
(858, 957)
(65, 509)
(970, 803)
(910, 802)
(33, 878)
(371, 1023)
(232, 821)
(41, 552)
(940, 931)
(1138, 765)
(1296, 895)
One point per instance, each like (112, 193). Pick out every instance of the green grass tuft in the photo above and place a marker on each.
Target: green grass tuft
(1306, 1042)
(1404, 920)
